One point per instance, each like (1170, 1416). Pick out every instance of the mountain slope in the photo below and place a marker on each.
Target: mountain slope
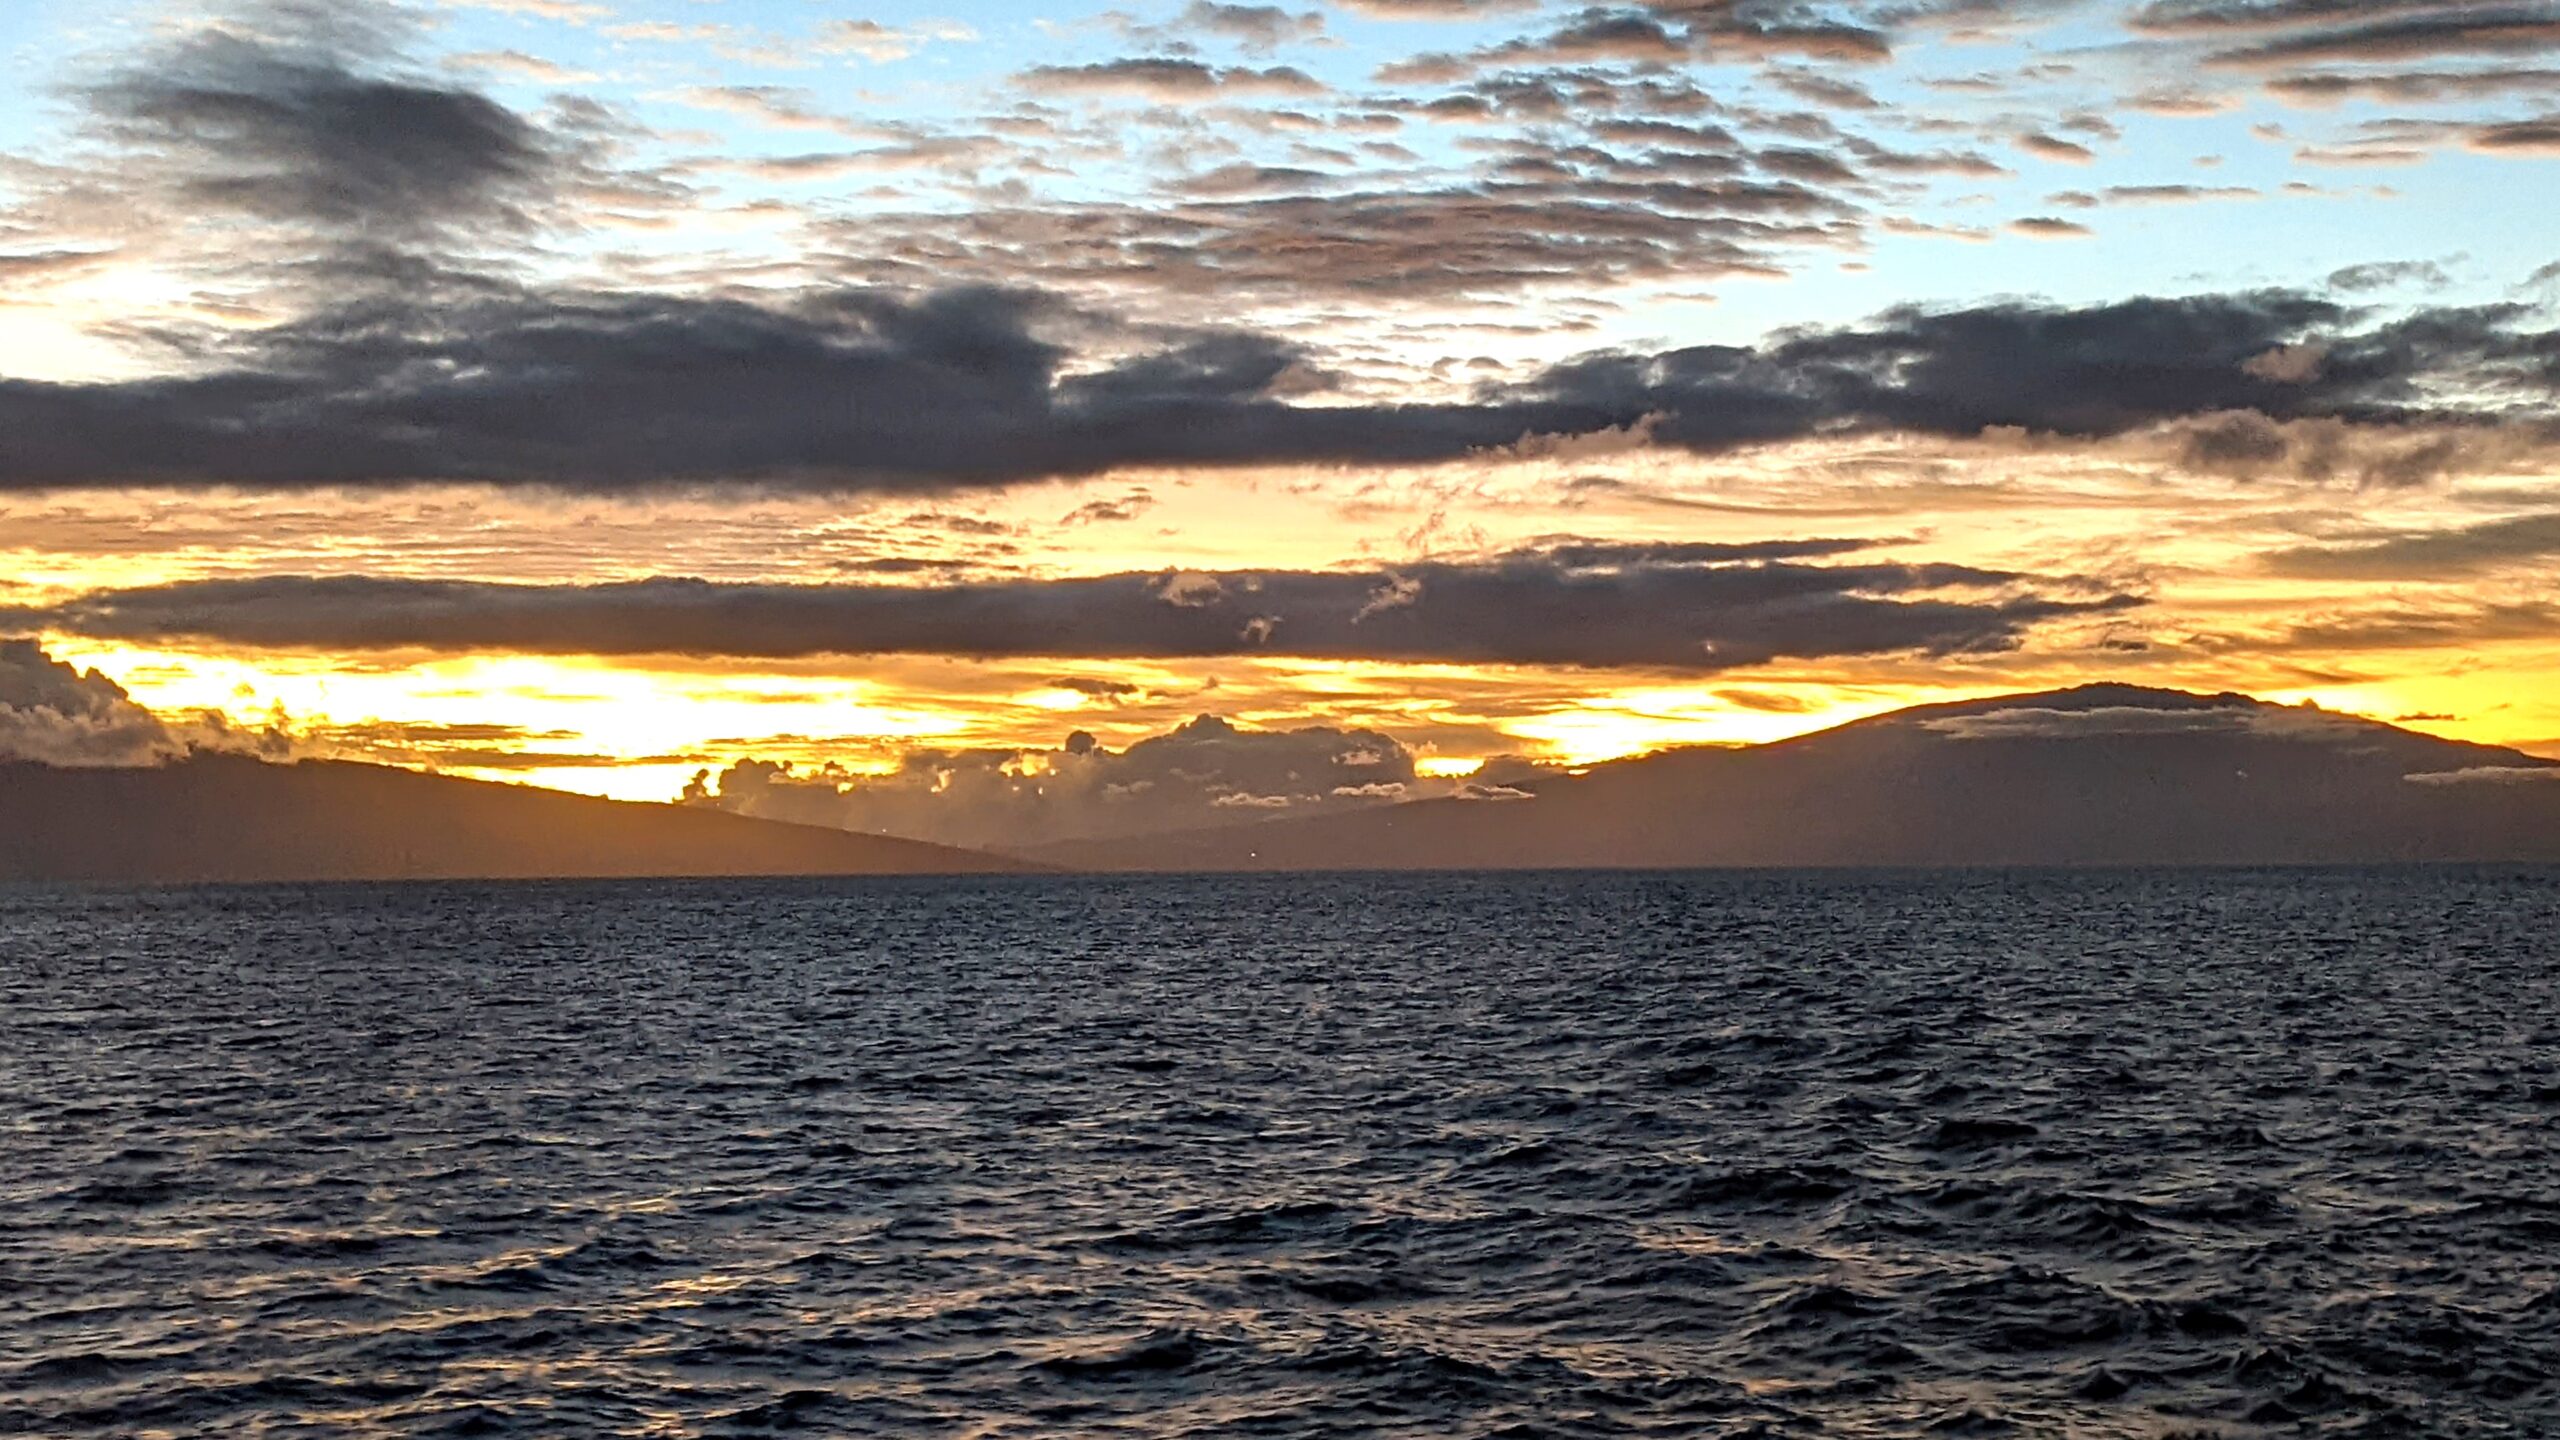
(2098, 775)
(229, 818)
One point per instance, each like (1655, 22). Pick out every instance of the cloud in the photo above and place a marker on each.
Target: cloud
(2049, 227)
(296, 118)
(880, 43)
(1594, 37)
(2388, 274)
(1102, 512)
(2456, 30)
(2428, 554)
(2054, 147)
(2489, 775)
(2518, 137)
(2288, 364)
(2153, 195)
(777, 106)
(2416, 627)
(1168, 79)
(433, 746)
(1205, 773)
(2092, 371)
(2247, 445)
(1684, 607)
(517, 65)
(883, 391)
(1758, 30)
(2410, 87)
(55, 715)
(2236, 717)
(1258, 28)
(1436, 9)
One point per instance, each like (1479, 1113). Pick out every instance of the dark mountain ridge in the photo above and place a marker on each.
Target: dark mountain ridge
(2096, 775)
(225, 818)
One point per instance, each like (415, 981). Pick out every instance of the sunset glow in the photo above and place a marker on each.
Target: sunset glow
(965, 380)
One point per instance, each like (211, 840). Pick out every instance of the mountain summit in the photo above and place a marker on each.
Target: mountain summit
(2095, 775)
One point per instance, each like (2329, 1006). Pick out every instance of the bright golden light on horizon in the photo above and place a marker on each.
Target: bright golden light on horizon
(1621, 723)
(2212, 616)
(642, 730)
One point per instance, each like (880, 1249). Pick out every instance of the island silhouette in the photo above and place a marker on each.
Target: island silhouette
(2097, 775)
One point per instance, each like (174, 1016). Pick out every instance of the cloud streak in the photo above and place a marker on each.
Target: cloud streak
(1688, 607)
(2449, 554)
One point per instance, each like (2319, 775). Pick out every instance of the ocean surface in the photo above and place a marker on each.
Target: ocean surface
(2131, 1154)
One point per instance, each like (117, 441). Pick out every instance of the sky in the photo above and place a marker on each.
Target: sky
(879, 412)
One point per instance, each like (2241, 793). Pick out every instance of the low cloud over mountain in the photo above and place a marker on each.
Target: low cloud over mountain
(57, 715)
(1207, 772)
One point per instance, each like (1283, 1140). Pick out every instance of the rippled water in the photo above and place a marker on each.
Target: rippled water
(2134, 1154)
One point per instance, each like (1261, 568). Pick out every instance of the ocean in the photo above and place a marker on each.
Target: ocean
(1769, 1154)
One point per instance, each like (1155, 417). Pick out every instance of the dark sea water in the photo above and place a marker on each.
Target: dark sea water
(2108, 1155)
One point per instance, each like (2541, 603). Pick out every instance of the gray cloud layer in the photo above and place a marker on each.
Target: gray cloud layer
(866, 390)
(377, 200)
(1696, 607)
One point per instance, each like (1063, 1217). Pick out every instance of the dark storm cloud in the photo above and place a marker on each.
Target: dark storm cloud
(860, 390)
(2092, 371)
(56, 715)
(292, 118)
(2451, 554)
(606, 392)
(1690, 607)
